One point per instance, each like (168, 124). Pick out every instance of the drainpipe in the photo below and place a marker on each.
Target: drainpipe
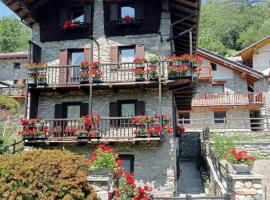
(90, 102)
(159, 80)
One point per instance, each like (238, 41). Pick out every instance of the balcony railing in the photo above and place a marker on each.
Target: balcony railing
(228, 99)
(110, 128)
(111, 73)
(13, 92)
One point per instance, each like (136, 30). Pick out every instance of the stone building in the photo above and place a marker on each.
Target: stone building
(257, 57)
(65, 33)
(226, 96)
(13, 75)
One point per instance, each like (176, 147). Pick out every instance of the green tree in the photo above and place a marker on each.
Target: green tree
(14, 35)
(228, 26)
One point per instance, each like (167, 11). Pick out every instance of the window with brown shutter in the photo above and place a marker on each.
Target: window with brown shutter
(88, 54)
(140, 108)
(114, 57)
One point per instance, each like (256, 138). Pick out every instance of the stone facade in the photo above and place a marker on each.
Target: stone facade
(260, 149)
(8, 72)
(246, 187)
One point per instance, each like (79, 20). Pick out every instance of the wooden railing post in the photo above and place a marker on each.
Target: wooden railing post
(14, 147)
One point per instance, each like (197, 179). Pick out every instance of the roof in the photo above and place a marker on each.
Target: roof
(250, 73)
(247, 52)
(14, 55)
(187, 11)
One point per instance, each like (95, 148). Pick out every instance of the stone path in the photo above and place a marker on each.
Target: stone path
(190, 181)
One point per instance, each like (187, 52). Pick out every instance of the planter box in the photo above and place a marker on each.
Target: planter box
(140, 79)
(101, 172)
(96, 80)
(141, 136)
(242, 168)
(34, 138)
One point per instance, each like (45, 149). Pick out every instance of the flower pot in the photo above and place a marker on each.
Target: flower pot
(84, 81)
(139, 79)
(154, 136)
(96, 80)
(101, 172)
(242, 168)
(173, 76)
(141, 136)
(41, 137)
(28, 137)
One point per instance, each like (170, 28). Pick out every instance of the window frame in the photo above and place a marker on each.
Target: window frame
(213, 66)
(186, 120)
(125, 48)
(220, 120)
(65, 107)
(125, 4)
(220, 84)
(131, 158)
(120, 102)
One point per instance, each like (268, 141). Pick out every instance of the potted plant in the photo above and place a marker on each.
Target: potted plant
(127, 19)
(140, 62)
(102, 161)
(152, 73)
(183, 70)
(82, 135)
(139, 74)
(84, 77)
(154, 131)
(173, 72)
(70, 26)
(241, 162)
(140, 132)
(96, 75)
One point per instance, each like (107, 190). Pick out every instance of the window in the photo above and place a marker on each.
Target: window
(127, 109)
(75, 59)
(128, 162)
(77, 14)
(127, 10)
(219, 117)
(218, 88)
(73, 111)
(127, 54)
(213, 66)
(17, 65)
(184, 118)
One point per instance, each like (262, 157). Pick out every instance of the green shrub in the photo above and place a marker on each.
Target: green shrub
(44, 175)
(222, 144)
(8, 103)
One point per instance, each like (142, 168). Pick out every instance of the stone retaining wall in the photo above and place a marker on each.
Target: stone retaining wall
(260, 149)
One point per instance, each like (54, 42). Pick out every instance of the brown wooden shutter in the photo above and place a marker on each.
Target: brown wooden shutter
(139, 51)
(139, 11)
(88, 14)
(113, 107)
(88, 54)
(114, 56)
(84, 109)
(63, 71)
(58, 111)
(113, 11)
(140, 108)
(34, 99)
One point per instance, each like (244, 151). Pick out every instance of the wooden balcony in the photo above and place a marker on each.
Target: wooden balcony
(112, 129)
(13, 92)
(112, 74)
(249, 100)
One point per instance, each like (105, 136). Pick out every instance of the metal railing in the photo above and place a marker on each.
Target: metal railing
(111, 73)
(109, 128)
(228, 99)
(227, 124)
(15, 147)
(11, 91)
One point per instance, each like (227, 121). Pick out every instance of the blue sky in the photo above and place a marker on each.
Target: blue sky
(5, 11)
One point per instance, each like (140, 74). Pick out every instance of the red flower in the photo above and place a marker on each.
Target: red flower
(94, 155)
(128, 19)
(119, 163)
(130, 179)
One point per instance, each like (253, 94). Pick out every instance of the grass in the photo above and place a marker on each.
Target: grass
(240, 138)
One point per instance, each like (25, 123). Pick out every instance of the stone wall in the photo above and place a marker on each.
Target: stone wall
(260, 149)
(8, 73)
(154, 163)
(101, 100)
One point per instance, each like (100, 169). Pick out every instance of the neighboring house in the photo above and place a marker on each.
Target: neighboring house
(257, 56)
(105, 33)
(225, 96)
(13, 74)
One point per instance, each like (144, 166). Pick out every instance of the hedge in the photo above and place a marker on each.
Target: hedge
(44, 175)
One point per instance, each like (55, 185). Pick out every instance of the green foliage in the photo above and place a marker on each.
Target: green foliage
(222, 144)
(8, 103)
(44, 175)
(14, 35)
(3, 147)
(228, 26)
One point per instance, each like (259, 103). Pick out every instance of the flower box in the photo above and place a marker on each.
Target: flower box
(242, 168)
(101, 172)
(96, 80)
(74, 26)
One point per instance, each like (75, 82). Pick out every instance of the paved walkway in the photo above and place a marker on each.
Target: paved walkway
(190, 181)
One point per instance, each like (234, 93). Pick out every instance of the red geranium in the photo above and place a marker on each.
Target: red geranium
(128, 19)
(238, 157)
